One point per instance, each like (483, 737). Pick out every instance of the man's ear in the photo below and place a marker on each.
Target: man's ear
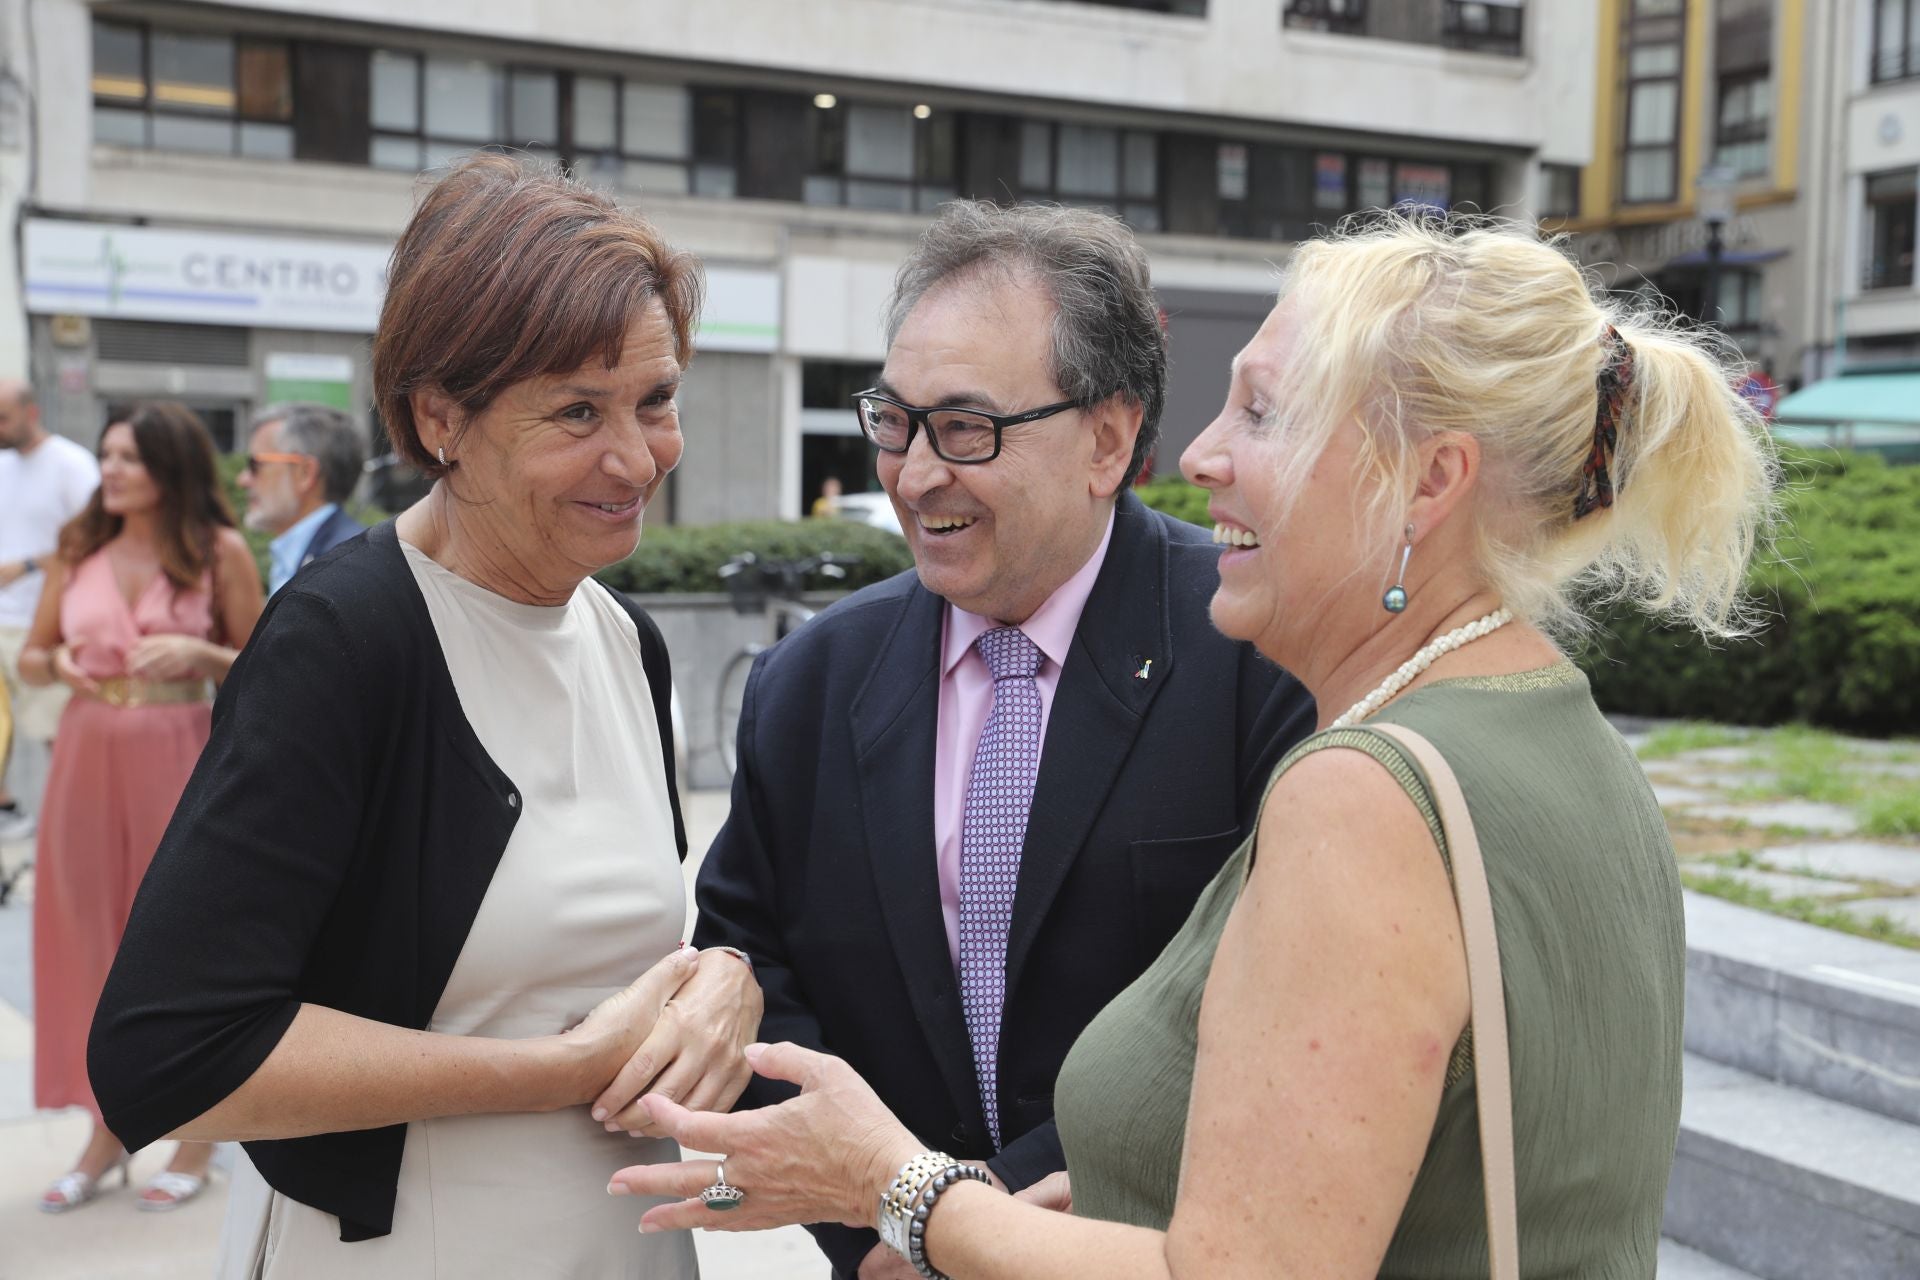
(1115, 424)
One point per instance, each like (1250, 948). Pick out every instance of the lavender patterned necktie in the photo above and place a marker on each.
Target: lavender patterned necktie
(993, 826)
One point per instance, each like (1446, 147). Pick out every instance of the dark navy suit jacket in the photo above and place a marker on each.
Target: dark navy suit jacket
(825, 871)
(333, 531)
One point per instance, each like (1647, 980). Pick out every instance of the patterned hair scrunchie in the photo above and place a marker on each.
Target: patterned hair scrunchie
(1612, 387)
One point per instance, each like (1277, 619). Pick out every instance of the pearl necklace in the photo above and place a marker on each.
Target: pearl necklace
(1419, 662)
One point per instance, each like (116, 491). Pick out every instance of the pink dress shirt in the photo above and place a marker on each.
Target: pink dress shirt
(966, 696)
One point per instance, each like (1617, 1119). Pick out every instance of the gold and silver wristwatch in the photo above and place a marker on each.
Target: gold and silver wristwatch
(899, 1200)
(908, 1202)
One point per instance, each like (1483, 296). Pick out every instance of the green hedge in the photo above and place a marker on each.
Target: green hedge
(1843, 586)
(677, 558)
(1843, 647)
(1178, 499)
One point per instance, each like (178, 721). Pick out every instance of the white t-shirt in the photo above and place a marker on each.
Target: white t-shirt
(39, 492)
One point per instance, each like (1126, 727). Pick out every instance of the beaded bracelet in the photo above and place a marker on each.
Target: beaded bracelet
(917, 1232)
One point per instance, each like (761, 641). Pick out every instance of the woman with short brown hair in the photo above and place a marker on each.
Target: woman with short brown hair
(437, 821)
(148, 599)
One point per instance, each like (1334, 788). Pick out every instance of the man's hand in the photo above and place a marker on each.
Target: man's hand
(695, 1054)
(12, 571)
(882, 1263)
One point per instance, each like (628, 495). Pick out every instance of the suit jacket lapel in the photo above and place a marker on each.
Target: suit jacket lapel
(893, 720)
(1097, 712)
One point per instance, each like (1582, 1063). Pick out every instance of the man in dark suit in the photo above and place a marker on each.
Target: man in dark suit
(303, 461)
(974, 802)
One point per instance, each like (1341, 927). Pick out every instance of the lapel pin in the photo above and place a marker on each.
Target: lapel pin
(1146, 670)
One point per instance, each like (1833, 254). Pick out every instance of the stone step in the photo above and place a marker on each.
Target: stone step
(1787, 1185)
(1826, 1012)
(1677, 1262)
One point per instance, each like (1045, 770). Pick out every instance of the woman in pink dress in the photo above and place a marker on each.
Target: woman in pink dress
(146, 605)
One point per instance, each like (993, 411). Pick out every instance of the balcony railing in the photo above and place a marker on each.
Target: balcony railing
(1892, 272)
(1485, 26)
(1896, 63)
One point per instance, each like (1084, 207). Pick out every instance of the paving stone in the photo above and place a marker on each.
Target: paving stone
(1734, 755)
(1677, 1262)
(1782, 885)
(1889, 769)
(1850, 859)
(1904, 912)
(1721, 779)
(1669, 795)
(1828, 819)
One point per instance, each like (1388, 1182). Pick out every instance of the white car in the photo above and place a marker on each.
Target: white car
(873, 508)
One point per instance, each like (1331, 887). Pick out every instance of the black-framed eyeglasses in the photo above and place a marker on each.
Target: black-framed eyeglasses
(963, 436)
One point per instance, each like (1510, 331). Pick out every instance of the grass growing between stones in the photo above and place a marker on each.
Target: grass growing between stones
(1880, 928)
(1800, 763)
(1690, 735)
(1891, 811)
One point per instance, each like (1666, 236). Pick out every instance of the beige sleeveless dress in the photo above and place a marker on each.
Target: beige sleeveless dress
(588, 896)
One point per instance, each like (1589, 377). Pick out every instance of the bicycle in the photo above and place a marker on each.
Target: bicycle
(757, 586)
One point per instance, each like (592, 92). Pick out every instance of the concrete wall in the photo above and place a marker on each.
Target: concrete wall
(730, 416)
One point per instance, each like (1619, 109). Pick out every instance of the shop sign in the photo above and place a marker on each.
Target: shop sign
(315, 379)
(268, 282)
(202, 277)
(742, 311)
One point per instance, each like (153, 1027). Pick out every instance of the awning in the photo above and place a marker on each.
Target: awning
(1728, 258)
(1885, 399)
(1874, 411)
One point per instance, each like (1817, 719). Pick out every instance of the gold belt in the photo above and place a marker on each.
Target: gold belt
(132, 691)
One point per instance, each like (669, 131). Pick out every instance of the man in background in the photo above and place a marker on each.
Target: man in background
(303, 462)
(45, 481)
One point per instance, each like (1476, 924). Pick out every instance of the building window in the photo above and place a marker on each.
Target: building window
(1653, 40)
(1896, 40)
(191, 91)
(1485, 26)
(633, 134)
(1189, 8)
(1890, 229)
(880, 156)
(1270, 191)
(1489, 26)
(1742, 123)
(1095, 167)
(1559, 191)
(1346, 17)
(428, 110)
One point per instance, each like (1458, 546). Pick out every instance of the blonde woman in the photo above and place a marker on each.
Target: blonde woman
(1436, 444)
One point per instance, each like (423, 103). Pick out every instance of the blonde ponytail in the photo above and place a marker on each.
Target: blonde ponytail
(1695, 475)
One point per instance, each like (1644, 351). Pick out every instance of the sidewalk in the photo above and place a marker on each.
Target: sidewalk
(111, 1240)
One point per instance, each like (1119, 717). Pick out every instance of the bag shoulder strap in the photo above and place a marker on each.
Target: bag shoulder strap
(1492, 1076)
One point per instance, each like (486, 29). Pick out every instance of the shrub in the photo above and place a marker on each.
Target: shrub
(1843, 588)
(680, 558)
(1843, 646)
(1178, 499)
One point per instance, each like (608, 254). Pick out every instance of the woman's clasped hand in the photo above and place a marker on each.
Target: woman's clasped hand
(679, 1031)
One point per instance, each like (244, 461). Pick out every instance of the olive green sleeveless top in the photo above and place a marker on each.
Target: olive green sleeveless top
(1586, 898)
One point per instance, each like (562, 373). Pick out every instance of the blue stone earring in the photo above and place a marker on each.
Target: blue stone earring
(1395, 601)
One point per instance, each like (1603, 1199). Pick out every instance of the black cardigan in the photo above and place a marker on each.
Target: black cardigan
(332, 848)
